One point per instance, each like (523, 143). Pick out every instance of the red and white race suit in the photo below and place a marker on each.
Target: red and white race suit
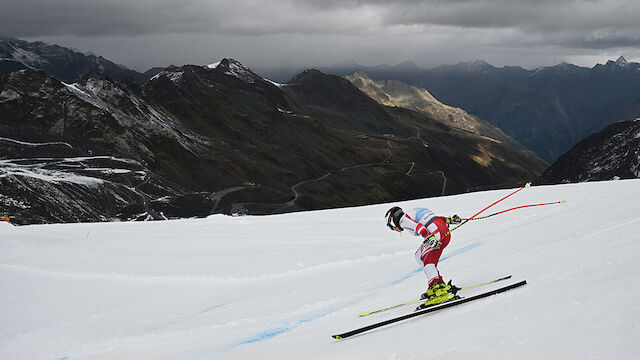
(424, 222)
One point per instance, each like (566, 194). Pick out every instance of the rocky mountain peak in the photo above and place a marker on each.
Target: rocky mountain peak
(479, 65)
(621, 61)
(307, 75)
(359, 74)
(235, 68)
(361, 79)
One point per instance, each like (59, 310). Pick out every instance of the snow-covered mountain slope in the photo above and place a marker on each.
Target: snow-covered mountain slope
(277, 287)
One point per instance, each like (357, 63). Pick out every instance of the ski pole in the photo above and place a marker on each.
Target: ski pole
(480, 212)
(515, 208)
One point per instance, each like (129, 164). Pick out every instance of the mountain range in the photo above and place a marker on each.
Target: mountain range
(90, 140)
(196, 140)
(547, 110)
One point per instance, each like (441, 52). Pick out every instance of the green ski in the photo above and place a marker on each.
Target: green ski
(419, 300)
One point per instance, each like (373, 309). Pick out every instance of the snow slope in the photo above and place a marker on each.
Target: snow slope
(277, 287)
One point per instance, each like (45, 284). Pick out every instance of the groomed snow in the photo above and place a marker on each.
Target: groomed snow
(277, 287)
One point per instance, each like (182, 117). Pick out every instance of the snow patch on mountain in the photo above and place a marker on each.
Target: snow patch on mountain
(89, 92)
(9, 168)
(9, 202)
(75, 88)
(174, 76)
(108, 171)
(36, 144)
(8, 95)
(274, 83)
(26, 57)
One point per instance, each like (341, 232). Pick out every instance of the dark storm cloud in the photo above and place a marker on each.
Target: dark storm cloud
(539, 15)
(587, 24)
(30, 18)
(276, 31)
(609, 41)
(91, 17)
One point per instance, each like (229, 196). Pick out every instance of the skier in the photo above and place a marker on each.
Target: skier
(435, 231)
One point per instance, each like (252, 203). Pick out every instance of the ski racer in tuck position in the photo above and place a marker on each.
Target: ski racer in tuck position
(435, 232)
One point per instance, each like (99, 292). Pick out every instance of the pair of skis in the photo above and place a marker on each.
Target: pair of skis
(422, 300)
(431, 308)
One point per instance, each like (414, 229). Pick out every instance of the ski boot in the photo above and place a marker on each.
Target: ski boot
(438, 293)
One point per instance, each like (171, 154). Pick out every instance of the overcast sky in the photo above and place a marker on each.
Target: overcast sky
(268, 34)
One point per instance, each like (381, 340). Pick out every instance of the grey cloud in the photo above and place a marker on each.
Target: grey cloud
(352, 17)
(539, 15)
(24, 18)
(142, 33)
(603, 41)
(29, 18)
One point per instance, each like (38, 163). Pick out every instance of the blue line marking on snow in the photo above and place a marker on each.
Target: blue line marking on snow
(270, 333)
(211, 308)
(452, 254)
(264, 335)
(462, 250)
(406, 276)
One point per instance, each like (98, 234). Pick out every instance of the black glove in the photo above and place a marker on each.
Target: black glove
(455, 219)
(432, 242)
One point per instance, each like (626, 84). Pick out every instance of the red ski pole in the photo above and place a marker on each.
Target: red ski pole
(480, 212)
(515, 208)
